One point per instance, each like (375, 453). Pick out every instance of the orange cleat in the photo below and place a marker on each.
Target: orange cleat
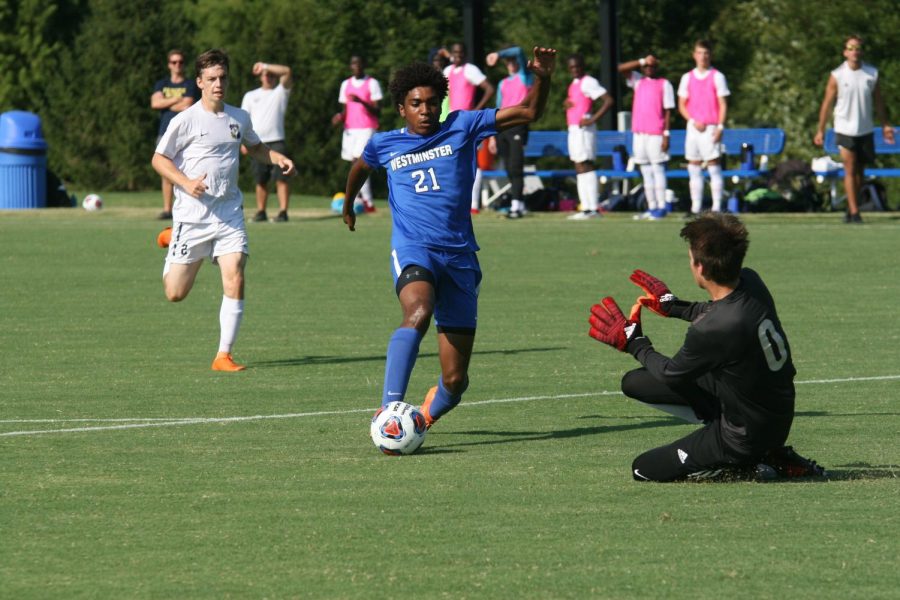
(475, 211)
(224, 362)
(164, 237)
(425, 409)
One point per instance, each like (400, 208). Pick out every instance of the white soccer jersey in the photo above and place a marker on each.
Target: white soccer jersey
(591, 88)
(204, 143)
(853, 109)
(267, 109)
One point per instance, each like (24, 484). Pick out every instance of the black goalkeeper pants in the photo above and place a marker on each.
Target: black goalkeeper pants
(700, 451)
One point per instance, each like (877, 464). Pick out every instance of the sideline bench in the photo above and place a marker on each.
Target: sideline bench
(761, 142)
(881, 148)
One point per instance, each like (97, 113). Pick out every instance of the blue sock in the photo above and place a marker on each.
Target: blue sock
(444, 401)
(402, 351)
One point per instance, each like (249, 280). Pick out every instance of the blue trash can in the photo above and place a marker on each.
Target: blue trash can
(23, 161)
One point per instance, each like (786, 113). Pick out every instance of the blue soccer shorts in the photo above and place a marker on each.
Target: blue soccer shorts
(456, 278)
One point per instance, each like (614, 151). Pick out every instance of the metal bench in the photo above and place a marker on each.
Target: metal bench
(881, 148)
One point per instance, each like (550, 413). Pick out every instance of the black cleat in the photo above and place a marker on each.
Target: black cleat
(789, 464)
(260, 216)
(282, 217)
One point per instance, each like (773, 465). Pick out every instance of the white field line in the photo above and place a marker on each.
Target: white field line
(142, 423)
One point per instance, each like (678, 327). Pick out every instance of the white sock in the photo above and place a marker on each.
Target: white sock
(230, 315)
(685, 413)
(716, 186)
(695, 183)
(587, 190)
(649, 177)
(476, 191)
(365, 192)
(659, 180)
(517, 206)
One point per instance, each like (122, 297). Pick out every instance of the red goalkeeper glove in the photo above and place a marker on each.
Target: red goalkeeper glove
(657, 296)
(610, 326)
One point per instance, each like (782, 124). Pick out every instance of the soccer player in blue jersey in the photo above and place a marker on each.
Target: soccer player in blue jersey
(430, 171)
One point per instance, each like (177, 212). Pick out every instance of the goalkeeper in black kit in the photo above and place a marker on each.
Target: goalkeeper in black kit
(734, 372)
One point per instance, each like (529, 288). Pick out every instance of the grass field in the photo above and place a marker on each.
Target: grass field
(130, 470)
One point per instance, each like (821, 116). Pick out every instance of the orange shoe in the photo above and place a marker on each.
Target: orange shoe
(164, 237)
(425, 409)
(224, 362)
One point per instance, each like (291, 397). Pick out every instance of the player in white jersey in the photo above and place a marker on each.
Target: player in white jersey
(199, 154)
(855, 85)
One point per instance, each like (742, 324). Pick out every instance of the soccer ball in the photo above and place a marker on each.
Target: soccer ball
(92, 202)
(398, 428)
(337, 204)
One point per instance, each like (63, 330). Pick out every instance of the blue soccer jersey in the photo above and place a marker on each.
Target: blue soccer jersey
(430, 180)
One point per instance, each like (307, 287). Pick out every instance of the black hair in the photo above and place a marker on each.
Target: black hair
(414, 75)
(719, 242)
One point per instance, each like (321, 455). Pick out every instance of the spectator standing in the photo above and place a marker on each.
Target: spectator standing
(267, 106)
(651, 113)
(171, 95)
(703, 102)
(854, 85)
(511, 142)
(581, 117)
(465, 80)
(361, 97)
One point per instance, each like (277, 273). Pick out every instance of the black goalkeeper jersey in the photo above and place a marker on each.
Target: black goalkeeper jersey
(739, 342)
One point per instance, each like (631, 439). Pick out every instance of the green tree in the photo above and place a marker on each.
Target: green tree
(32, 36)
(97, 114)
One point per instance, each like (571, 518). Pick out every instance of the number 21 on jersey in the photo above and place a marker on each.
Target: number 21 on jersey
(422, 183)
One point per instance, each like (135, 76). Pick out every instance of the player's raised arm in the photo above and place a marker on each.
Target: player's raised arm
(532, 107)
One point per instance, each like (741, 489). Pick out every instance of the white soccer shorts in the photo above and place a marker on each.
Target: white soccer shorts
(582, 143)
(195, 241)
(647, 149)
(354, 142)
(699, 145)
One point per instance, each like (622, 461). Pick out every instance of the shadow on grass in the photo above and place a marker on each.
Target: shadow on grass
(337, 360)
(825, 413)
(863, 471)
(513, 437)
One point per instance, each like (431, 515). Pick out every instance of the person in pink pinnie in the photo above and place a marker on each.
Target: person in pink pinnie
(465, 79)
(651, 113)
(511, 142)
(582, 119)
(703, 102)
(361, 96)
